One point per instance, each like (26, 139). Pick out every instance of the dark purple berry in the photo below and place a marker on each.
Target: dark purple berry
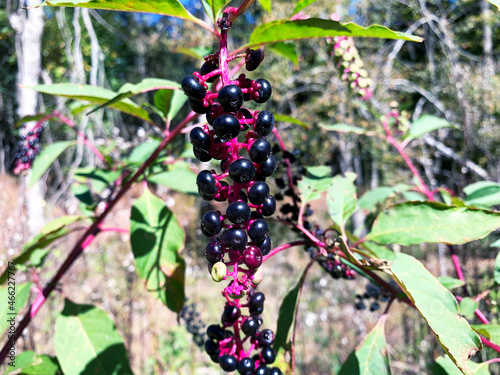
(275, 371)
(241, 170)
(258, 192)
(215, 332)
(246, 366)
(268, 355)
(208, 67)
(250, 326)
(257, 300)
(260, 150)
(211, 223)
(231, 314)
(211, 347)
(201, 155)
(269, 206)
(262, 370)
(268, 167)
(238, 212)
(252, 257)
(264, 123)
(214, 252)
(228, 362)
(374, 306)
(200, 139)
(206, 183)
(236, 239)
(230, 98)
(265, 246)
(245, 114)
(227, 127)
(193, 88)
(264, 91)
(266, 337)
(253, 59)
(198, 107)
(258, 230)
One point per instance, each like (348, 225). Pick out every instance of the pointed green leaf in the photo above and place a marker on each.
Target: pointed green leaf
(287, 50)
(100, 178)
(435, 303)
(17, 295)
(496, 270)
(281, 31)
(495, 244)
(301, 4)
(143, 151)
(450, 282)
(179, 178)
(372, 198)
(343, 128)
(467, 307)
(157, 238)
(216, 6)
(95, 95)
(31, 364)
(445, 366)
(46, 158)
(484, 193)
(426, 124)
(172, 8)
(315, 182)
(146, 85)
(341, 199)
(170, 102)
(266, 5)
(87, 342)
(291, 120)
(370, 357)
(48, 234)
(490, 331)
(412, 223)
(196, 52)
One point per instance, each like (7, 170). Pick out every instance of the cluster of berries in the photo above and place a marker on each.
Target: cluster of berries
(226, 348)
(332, 265)
(351, 67)
(239, 238)
(372, 296)
(194, 324)
(28, 147)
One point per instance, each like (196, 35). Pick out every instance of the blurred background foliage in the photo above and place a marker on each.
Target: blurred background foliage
(453, 74)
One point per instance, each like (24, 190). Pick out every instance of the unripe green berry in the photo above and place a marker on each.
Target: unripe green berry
(218, 272)
(258, 276)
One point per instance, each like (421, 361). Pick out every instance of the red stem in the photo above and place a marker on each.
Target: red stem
(86, 238)
(278, 249)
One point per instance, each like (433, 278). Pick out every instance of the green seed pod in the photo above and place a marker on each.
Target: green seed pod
(258, 276)
(218, 272)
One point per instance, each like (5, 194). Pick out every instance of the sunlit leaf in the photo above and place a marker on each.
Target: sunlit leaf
(484, 193)
(426, 124)
(287, 50)
(301, 4)
(342, 199)
(46, 158)
(28, 363)
(13, 298)
(450, 282)
(315, 182)
(343, 128)
(291, 120)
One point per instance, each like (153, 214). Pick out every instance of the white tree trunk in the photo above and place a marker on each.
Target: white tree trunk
(29, 27)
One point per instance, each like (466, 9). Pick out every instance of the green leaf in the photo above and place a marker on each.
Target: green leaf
(496, 270)
(495, 244)
(450, 282)
(291, 120)
(21, 294)
(266, 5)
(484, 193)
(46, 158)
(315, 182)
(196, 52)
(143, 151)
(372, 198)
(301, 4)
(95, 95)
(286, 50)
(495, 3)
(87, 342)
(31, 364)
(101, 178)
(280, 31)
(48, 234)
(490, 331)
(82, 193)
(157, 238)
(445, 366)
(467, 307)
(426, 124)
(413, 223)
(179, 178)
(216, 6)
(341, 199)
(343, 128)
(435, 303)
(370, 357)
(169, 102)
(129, 89)
(30, 118)
(172, 8)
(286, 315)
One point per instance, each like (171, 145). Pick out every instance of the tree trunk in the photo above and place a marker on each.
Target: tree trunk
(29, 27)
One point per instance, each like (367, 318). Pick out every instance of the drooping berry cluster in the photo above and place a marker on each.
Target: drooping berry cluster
(372, 296)
(28, 147)
(351, 67)
(194, 324)
(239, 238)
(226, 347)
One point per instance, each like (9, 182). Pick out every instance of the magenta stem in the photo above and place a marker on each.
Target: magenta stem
(279, 249)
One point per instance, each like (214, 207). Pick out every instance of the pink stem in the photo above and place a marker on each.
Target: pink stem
(491, 345)
(278, 249)
(115, 230)
(87, 143)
